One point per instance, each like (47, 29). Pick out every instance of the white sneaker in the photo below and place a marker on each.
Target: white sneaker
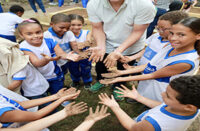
(53, 3)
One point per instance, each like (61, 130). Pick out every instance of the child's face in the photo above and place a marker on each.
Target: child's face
(32, 33)
(76, 26)
(182, 37)
(163, 28)
(60, 28)
(169, 97)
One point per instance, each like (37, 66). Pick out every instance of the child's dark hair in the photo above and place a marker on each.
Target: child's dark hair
(175, 5)
(60, 18)
(188, 89)
(76, 17)
(194, 24)
(16, 8)
(28, 21)
(174, 16)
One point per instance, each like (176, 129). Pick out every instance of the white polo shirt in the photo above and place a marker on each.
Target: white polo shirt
(119, 25)
(8, 22)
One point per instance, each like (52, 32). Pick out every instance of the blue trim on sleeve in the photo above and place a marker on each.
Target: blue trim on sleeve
(87, 32)
(184, 61)
(167, 55)
(163, 110)
(5, 109)
(19, 78)
(79, 35)
(154, 123)
(139, 118)
(25, 49)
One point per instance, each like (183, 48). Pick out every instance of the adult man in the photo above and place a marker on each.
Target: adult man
(118, 27)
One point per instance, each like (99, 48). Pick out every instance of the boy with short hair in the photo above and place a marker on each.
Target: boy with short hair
(180, 108)
(9, 22)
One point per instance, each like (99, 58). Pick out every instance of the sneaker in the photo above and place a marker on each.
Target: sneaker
(131, 101)
(53, 3)
(75, 85)
(95, 88)
(116, 95)
(87, 85)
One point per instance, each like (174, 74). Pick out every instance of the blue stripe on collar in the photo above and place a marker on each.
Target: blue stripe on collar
(54, 33)
(160, 38)
(187, 52)
(79, 34)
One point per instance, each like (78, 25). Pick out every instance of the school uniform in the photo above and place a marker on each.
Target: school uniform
(34, 84)
(153, 88)
(50, 71)
(64, 43)
(8, 23)
(162, 120)
(154, 45)
(81, 68)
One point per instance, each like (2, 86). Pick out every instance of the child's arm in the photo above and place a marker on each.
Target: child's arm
(15, 84)
(133, 94)
(126, 121)
(127, 59)
(25, 116)
(70, 93)
(92, 118)
(163, 72)
(69, 110)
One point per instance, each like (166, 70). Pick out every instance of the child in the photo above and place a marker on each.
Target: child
(180, 108)
(177, 59)
(59, 33)
(14, 111)
(40, 52)
(40, 4)
(9, 21)
(83, 67)
(158, 40)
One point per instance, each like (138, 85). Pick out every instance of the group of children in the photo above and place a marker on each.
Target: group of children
(168, 64)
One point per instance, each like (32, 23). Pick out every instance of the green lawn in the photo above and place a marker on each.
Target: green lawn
(108, 124)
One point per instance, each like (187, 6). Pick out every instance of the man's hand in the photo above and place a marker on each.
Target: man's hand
(48, 58)
(98, 114)
(110, 102)
(73, 109)
(97, 54)
(111, 59)
(133, 94)
(109, 81)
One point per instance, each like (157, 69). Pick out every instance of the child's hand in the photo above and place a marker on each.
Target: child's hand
(72, 56)
(63, 92)
(50, 58)
(127, 92)
(82, 45)
(84, 54)
(125, 59)
(114, 72)
(109, 81)
(71, 96)
(126, 66)
(98, 114)
(110, 102)
(73, 109)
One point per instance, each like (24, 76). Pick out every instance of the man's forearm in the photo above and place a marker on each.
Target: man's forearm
(100, 37)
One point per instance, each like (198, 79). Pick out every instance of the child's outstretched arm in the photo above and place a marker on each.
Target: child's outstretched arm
(15, 83)
(163, 72)
(25, 116)
(133, 94)
(92, 118)
(126, 121)
(127, 59)
(69, 110)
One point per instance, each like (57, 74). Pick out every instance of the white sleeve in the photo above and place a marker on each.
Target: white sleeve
(19, 20)
(20, 75)
(71, 36)
(91, 10)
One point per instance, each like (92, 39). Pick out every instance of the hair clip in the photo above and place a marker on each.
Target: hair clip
(29, 20)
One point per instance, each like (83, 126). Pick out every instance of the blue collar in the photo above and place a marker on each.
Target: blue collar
(161, 41)
(163, 110)
(79, 34)
(54, 33)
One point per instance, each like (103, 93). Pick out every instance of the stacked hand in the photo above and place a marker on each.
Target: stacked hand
(98, 114)
(111, 59)
(110, 81)
(73, 109)
(72, 56)
(125, 92)
(114, 72)
(69, 94)
(82, 45)
(110, 102)
(97, 54)
(48, 58)
(84, 54)
(125, 59)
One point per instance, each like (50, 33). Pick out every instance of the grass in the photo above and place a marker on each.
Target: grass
(108, 124)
